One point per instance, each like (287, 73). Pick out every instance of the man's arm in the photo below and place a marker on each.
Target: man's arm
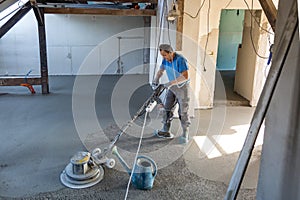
(159, 74)
(182, 78)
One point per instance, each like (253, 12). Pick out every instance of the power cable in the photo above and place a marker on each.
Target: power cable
(251, 34)
(158, 40)
(258, 23)
(168, 26)
(206, 43)
(207, 38)
(227, 4)
(194, 17)
(136, 155)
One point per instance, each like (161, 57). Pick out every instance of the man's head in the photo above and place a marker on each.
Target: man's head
(166, 52)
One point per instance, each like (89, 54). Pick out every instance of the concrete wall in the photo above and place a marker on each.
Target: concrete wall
(280, 160)
(70, 40)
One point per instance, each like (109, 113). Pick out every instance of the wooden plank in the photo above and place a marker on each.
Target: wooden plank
(16, 81)
(100, 11)
(14, 19)
(84, 1)
(270, 11)
(179, 26)
(43, 54)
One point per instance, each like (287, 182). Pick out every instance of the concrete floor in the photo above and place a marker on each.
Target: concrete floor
(40, 133)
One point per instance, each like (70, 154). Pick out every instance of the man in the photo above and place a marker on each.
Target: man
(178, 91)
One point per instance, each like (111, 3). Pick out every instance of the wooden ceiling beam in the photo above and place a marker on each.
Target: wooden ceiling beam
(84, 1)
(270, 11)
(100, 11)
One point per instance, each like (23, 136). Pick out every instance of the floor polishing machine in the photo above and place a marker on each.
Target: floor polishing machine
(86, 168)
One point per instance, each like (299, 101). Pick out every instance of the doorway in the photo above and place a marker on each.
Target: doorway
(230, 40)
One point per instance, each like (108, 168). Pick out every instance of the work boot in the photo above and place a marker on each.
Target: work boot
(164, 132)
(184, 138)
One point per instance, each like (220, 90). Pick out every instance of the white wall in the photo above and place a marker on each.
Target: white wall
(195, 35)
(251, 70)
(70, 39)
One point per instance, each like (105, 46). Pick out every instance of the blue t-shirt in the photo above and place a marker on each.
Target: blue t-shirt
(174, 68)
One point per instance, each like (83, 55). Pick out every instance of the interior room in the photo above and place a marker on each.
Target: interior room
(85, 92)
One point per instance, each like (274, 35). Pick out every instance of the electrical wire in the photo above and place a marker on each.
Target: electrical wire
(206, 43)
(136, 155)
(207, 38)
(251, 34)
(194, 17)
(227, 4)
(158, 41)
(168, 26)
(258, 23)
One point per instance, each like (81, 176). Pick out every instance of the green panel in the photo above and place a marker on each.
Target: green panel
(230, 36)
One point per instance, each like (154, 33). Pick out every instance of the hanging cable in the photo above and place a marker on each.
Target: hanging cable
(207, 38)
(251, 34)
(258, 23)
(194, 17)
(136, 155)
(158, 40)
(206, 43)
(168, 26)
(227, 4)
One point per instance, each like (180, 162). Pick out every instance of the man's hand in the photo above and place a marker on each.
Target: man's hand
(154, 84)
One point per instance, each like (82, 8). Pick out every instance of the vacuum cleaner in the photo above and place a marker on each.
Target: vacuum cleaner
(86, 169)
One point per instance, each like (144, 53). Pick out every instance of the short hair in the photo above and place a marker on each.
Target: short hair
(165, 47)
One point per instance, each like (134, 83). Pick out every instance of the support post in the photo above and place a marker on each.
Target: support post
(43, 54)
(146, 50)
(281, 51)
(179, 26)
(38, 14)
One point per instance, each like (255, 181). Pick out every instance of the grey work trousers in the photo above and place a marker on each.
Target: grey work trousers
(180, 95)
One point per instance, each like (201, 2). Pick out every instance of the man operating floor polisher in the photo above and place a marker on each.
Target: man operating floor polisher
(86, 169)
(176, 68)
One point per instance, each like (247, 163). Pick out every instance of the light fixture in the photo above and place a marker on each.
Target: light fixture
(173, 13)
